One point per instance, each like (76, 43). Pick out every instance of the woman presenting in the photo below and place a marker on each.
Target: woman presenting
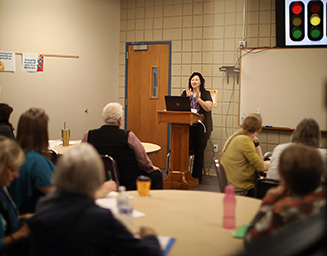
(201, 103)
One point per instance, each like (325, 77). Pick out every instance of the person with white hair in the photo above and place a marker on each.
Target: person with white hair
(124, 147)
(68, 221)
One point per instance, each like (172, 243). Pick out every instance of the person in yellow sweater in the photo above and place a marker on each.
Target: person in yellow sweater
(242, 156)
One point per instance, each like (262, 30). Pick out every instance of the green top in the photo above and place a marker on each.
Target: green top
(240, 161)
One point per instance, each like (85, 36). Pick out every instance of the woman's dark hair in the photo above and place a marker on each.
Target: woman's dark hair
(32, 131)
(201, 80)
(5, 111)
(301, 168)
(307, 132)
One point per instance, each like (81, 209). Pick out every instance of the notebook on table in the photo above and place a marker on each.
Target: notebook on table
(177, 103)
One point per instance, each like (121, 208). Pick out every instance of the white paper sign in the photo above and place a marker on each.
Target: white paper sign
(29, 62)
(7, 61)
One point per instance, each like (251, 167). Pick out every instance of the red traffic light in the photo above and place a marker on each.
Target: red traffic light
(297, 8)
(315, 7)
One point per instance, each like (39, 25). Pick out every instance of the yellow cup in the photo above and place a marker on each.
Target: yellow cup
(65, 134)
(143, 184)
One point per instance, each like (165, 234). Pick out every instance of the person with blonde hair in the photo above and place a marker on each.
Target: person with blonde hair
(124, 147)
(242, 156)
(36, 172)
(12, 234)
(68, 222)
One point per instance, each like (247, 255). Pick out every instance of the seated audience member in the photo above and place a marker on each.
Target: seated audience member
(68, 222)
(299, 196)
(36, 172)
(124, 147)
(242, 156)
(12, 234)
(307, 132)
(6, 128)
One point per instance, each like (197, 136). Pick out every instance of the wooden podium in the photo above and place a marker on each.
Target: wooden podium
(179, 176)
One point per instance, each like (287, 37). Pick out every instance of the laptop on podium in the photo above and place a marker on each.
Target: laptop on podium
(177, 103)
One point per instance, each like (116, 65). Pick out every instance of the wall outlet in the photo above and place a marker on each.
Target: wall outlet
(215, 148)
(242, 44)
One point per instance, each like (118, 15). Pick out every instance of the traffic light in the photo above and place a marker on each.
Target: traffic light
(297, 32)
(301, 23)
(315, 20)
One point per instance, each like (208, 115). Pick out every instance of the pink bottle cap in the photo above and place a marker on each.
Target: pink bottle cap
(229, 189)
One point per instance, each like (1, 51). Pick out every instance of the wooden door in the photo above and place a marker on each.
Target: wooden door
(147, 85)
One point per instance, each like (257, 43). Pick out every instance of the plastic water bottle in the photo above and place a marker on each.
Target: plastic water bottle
(229, 202)
(125, 208)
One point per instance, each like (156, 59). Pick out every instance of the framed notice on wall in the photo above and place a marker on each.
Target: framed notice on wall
(7, 61)
(214, 97)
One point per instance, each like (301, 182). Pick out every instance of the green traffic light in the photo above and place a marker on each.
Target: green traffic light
(296, 33)
(315, 32)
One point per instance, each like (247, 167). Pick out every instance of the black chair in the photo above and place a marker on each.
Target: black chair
(111, 168)
(221, 175)
(267, 156)
(53, 156)
(262, 185)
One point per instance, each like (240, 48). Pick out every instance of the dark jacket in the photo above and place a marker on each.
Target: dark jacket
(113, 141)
(5, 130)
(68, 224)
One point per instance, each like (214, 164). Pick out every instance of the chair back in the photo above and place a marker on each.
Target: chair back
(221, 175)
(53, 156)
(110, 168)
(267, 156)
(262, 185)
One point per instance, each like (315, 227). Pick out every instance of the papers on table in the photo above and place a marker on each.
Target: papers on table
(110, 202)
(53, 143)
(166, 243)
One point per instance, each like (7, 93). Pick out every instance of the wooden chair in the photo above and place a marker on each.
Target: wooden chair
(221, 175)
(262, 185)
(110, 166)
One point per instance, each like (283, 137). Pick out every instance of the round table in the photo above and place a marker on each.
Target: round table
(194, 218)
(60, 149)
(150, 148)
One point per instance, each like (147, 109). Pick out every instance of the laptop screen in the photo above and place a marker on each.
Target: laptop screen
(177, 103)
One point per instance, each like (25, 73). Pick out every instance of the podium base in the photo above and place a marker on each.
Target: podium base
(180, 180)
